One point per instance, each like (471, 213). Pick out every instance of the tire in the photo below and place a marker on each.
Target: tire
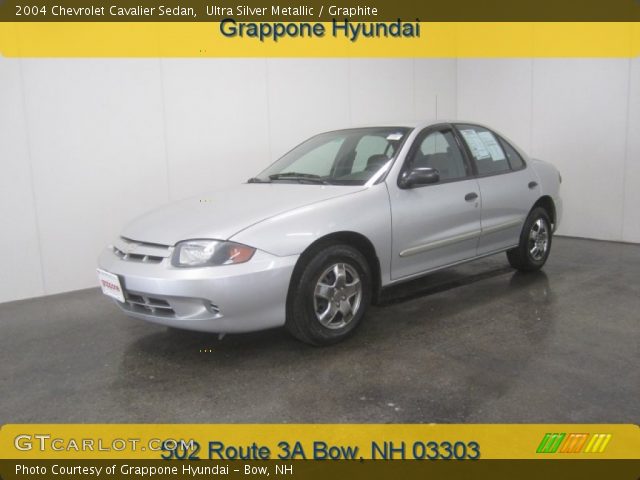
(535, 242)
(329, 295)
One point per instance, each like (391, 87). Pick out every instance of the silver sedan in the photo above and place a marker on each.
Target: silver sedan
(311, 241)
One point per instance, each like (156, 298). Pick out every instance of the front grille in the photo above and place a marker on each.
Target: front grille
(137, 257)
(170, 308)
(134, 251)
(146, 304)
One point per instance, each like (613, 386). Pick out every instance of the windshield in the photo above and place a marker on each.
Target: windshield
(343, 157)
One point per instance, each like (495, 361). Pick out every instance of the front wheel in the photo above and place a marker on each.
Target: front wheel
(535, 242)
(331, 295)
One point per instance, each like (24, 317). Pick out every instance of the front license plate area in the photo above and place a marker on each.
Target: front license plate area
(110, 285)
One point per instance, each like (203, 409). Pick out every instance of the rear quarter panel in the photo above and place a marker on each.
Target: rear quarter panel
(549, 184)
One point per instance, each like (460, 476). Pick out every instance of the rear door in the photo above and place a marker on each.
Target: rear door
(507, 186)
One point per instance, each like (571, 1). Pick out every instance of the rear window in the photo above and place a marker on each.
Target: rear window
(515, 160)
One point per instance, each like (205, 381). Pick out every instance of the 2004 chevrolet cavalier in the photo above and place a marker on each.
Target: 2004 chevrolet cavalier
(310, 242)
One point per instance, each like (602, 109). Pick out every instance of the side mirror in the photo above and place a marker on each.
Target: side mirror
(419, 176)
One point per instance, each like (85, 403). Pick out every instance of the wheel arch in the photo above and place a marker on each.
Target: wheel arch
(548, 204)
(353, 239)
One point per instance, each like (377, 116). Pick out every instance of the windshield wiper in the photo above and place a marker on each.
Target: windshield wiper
(299, 177)
(257, 180)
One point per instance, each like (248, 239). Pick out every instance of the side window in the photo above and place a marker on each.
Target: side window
(439, 150)
(371, 153)
(515, 160)
(485, 149)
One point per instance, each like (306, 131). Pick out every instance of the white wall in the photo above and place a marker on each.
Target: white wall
(581, 114)
(631, 208)
(97, 154)
(21, 272)
(86, 145)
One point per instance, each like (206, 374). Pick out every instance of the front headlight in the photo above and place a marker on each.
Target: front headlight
(203, 253)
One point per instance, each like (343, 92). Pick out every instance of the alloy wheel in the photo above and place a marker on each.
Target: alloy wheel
(337, 296)
(538, 239)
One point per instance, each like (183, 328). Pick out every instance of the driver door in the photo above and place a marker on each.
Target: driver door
(436, 224)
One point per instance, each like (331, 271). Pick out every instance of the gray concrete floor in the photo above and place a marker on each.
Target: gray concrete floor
(478, 343)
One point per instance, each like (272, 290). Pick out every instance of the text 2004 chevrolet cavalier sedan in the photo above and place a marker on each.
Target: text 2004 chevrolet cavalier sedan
(310, 242)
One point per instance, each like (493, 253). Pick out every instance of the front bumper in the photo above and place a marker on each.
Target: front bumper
(225, 299)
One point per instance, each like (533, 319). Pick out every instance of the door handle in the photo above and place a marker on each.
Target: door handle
(533, 185)
(470, 197)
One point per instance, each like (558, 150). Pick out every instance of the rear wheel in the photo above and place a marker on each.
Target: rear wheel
(330, 296)
(535, 242)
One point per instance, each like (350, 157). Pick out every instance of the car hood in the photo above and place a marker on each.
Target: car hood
(223, 213)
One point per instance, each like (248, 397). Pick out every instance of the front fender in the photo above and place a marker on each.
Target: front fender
(366, 212)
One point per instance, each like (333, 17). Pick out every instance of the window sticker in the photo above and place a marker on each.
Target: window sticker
(394, 136)
(492, 146)
(476, 145)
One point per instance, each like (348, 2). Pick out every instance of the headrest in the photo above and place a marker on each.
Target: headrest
(376, 161)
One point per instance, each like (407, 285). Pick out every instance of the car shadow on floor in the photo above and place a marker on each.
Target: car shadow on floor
(437, 282)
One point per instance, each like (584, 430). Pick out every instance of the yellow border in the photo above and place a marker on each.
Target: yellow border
(495, 441)
(438, 39)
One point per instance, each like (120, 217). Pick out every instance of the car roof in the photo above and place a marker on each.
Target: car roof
(416, 123)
